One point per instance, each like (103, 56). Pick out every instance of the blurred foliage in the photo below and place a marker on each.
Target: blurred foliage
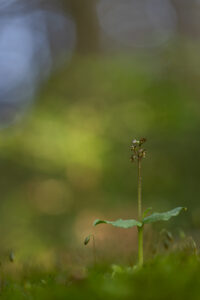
(67, 162)
(98, 283)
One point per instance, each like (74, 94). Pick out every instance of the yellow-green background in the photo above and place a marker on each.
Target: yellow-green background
(66, 162)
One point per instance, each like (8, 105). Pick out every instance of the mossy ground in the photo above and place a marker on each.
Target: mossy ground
(174, 276)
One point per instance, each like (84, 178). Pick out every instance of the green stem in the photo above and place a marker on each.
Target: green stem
(94, 250)
(140, 229)
(139, 191)
(140, 246)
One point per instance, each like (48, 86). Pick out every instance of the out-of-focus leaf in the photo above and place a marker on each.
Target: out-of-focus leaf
(119, 223)
(146, 211)
(11, 256)
(165, 216)
(87, 239)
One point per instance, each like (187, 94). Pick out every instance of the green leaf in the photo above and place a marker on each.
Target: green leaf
(119, 223)
(87, 239)
(146, 211)
(165, 216)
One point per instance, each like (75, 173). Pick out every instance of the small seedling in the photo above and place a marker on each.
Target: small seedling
(138, 154)
(187, 244)
(86, 241)
(166, 240)
(11, 257)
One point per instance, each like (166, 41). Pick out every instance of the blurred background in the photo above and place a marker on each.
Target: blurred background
(78, 81)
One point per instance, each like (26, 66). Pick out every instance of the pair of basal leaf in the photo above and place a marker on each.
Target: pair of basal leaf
(155, 217)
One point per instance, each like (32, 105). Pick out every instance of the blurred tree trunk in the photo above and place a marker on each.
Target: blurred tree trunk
(188, 17)
(87, 25)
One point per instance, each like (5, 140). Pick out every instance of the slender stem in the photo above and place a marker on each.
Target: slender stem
(94, 250)
(139, 191)
(140, 229)
(140, 246)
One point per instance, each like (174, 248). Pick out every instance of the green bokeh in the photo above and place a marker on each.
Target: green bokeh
(69, 156)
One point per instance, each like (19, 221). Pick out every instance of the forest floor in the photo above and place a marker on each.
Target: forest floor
(174, 276)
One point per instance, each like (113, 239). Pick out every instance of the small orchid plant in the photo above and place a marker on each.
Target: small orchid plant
(138, 154)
